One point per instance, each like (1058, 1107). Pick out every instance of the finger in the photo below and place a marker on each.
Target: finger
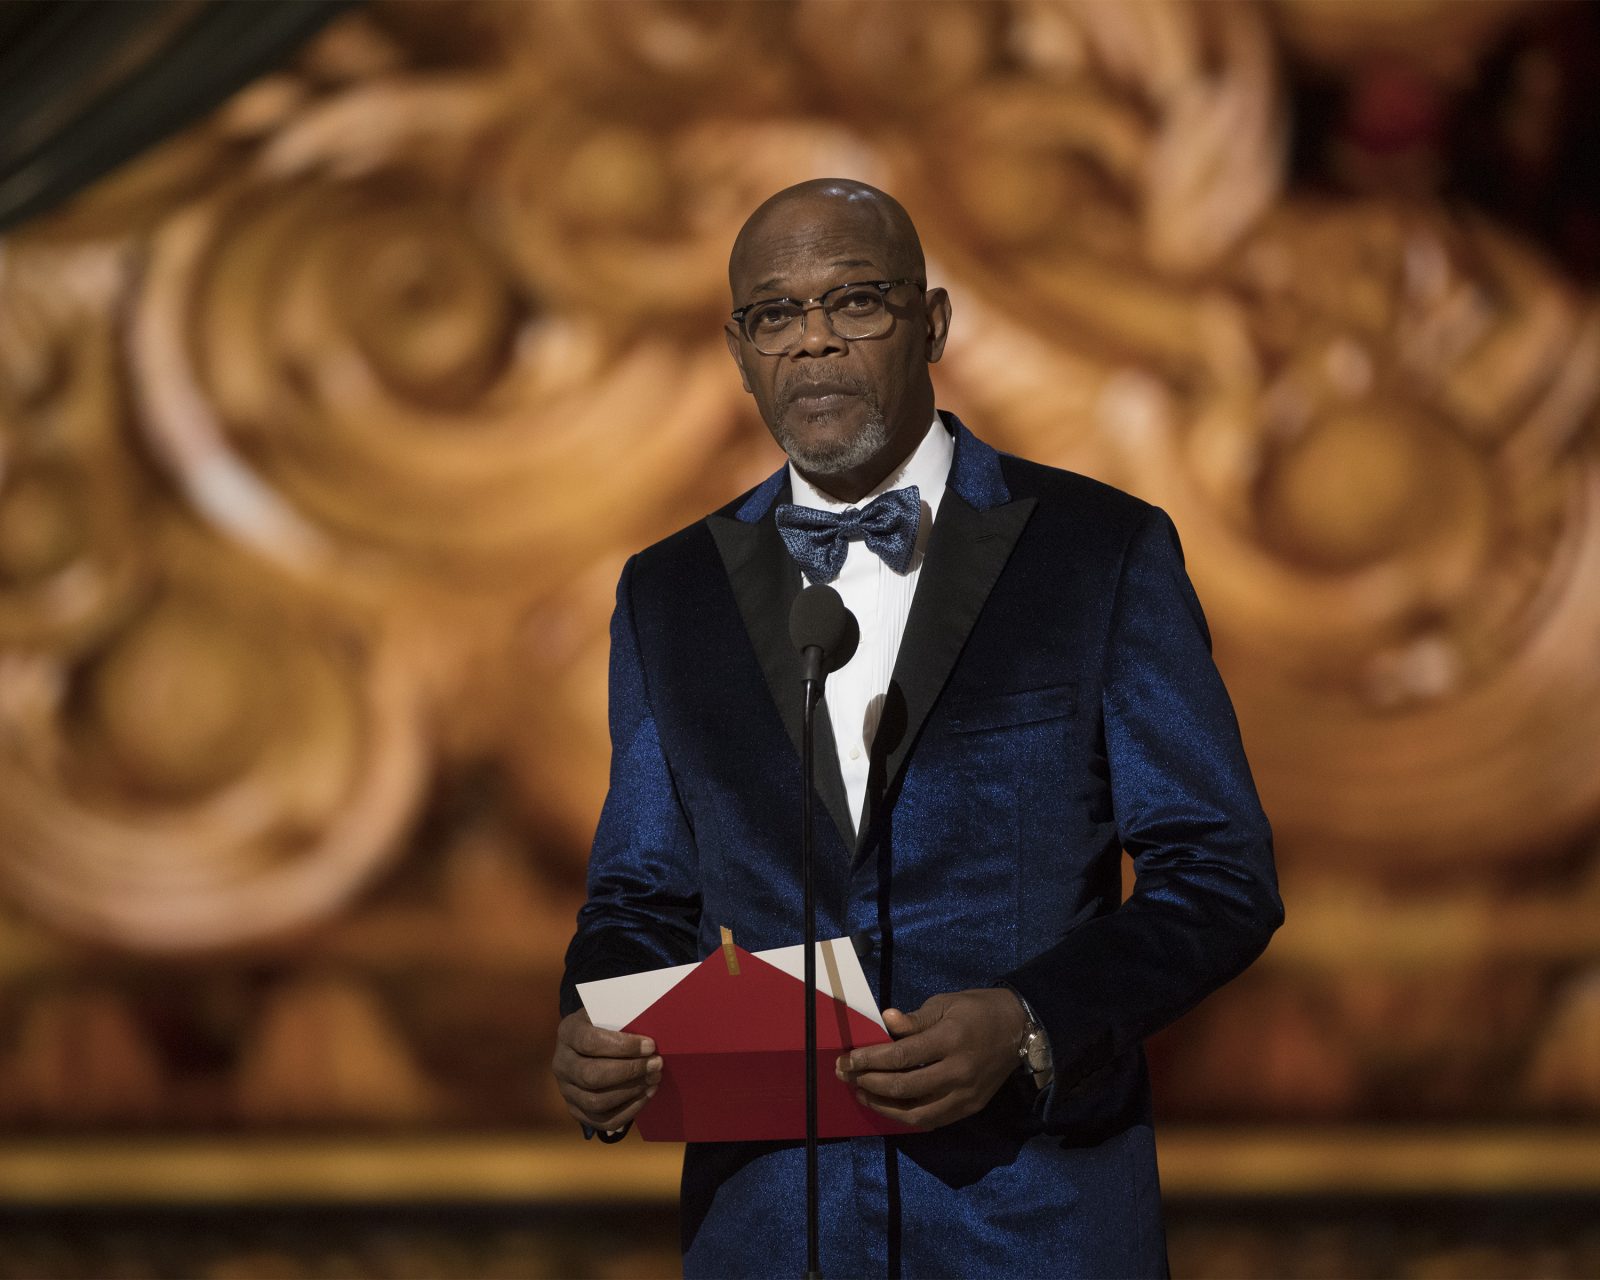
(613, 1119)
(607, 1073)
(926, 1082)
(597, 1042)
(912, 1051)
(899, 1024)
(602, 1072)
(621, 1117)
(602, 1102)
(905, 1024)
(899, 1055)
(920, 1113)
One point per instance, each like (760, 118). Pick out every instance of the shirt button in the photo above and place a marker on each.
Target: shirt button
(855, 753)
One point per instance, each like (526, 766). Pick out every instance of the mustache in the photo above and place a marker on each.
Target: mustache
(822, 386)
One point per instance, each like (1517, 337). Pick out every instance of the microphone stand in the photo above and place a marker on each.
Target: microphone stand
(813, 691)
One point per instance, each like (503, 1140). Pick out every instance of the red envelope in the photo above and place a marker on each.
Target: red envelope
(732, 1052)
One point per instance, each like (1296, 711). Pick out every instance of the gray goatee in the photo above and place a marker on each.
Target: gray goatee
(829, 459)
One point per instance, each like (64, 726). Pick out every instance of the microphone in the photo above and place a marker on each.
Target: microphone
(825, 632)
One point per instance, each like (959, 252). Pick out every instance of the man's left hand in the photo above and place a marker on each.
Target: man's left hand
(947, 1060)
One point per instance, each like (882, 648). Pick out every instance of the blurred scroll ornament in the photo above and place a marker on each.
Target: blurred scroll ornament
(557, 743)
(80, 1056)
(132, 197)
(652, 57)
(630, 221)
(1140, 143)
(223, 765)
(1271, 1049)
(1374, 427)
(1400, 478)
(336, 361)
(137, 194)
(1074, 197)
(1317, 1046)
(867, 60)
(72, 499)
(1563, 1072)
(324, 1050)
(1442, 38)
(552, 680)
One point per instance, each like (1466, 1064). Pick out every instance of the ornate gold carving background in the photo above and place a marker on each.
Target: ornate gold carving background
(325, 428)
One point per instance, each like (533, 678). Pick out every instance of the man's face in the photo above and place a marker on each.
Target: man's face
(840, 409)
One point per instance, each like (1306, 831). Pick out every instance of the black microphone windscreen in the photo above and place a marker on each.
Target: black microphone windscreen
(819, 619)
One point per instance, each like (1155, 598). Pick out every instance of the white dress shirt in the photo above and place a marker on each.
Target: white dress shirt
(880, 598)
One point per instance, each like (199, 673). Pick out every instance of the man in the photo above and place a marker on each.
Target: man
(1033, 693)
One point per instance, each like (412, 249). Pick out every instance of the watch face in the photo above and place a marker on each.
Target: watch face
(1036, 1050)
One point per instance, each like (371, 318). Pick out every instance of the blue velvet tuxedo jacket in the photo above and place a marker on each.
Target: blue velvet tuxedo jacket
(1054, 703)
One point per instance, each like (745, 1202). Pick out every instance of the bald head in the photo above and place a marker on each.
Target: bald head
(826, 208)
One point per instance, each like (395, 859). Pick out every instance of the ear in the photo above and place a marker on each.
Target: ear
(736, 350)
(938, 309)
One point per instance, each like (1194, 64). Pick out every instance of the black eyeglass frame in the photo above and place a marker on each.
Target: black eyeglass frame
(882, 286)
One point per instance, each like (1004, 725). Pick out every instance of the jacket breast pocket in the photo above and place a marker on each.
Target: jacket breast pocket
(975, 713)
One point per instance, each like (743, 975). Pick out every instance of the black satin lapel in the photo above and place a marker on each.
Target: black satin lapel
(965, 555)
(765, 582)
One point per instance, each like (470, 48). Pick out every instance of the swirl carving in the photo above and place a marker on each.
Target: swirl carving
(220, 766)
(345, 371)
(1387, 491)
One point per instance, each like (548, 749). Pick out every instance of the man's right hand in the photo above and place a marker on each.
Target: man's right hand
(606, 1077)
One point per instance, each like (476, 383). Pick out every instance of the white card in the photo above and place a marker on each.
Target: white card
(613, 1003)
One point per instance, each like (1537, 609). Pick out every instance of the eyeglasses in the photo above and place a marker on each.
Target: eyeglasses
(856, 310)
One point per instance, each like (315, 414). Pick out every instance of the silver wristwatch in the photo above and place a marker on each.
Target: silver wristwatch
(1034, 1047)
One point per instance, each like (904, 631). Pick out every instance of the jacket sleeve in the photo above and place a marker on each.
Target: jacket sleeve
(1205, 899)
(643, 907)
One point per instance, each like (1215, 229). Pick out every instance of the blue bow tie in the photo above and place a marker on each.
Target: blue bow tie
(820, 540)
